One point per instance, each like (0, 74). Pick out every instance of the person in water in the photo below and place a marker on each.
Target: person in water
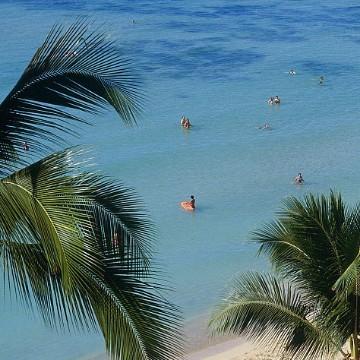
(277, 100)
(189, 205)
(266, 126)
(192, 201)
(182, 121)
(292, 72)
(25, 146)
(321, 80)
(299, 179)
(270, 100)
(187, 124)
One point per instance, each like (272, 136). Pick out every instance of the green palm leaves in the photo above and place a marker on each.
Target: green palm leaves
(74, 69)
(269, 311)
(75, 244)
(311, 310)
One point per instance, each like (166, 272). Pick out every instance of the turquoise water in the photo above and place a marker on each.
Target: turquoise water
(216, 62)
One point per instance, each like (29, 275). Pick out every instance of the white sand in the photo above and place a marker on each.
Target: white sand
(202, 347)
(236, 349)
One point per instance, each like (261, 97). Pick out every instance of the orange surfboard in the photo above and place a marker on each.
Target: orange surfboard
(186, 205)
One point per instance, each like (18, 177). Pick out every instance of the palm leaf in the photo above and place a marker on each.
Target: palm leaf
(305, 244)
(33, 279)
(348, 282)
(74, 69)
(57, 248)
(270, 312)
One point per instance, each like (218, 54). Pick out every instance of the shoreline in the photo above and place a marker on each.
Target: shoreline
(200, 346)
(234, 349)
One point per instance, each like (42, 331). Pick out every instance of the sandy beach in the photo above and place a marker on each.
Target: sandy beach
(201, 346)
(236, 349)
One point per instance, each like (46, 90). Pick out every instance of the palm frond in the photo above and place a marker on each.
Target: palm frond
(305, 244)
(33, 279)
(270, 312)
(74, 69)
(59, 250)
(349, 281)
(148, 323)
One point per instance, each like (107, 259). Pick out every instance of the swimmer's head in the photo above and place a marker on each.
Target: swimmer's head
(192, 197)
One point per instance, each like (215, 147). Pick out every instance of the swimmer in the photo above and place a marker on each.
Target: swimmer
(25, 146)
(270, 100)
(299, 179)
(188, 205)
(292, 72)
(321, 80)
(192, 201)
(266, 126)
(183, 120)
(187, 124)
(277, 100)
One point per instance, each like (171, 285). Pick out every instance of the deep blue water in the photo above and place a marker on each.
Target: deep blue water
(216, 62)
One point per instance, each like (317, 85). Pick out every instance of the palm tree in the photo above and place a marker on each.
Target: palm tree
(310, 310)
(74, 244)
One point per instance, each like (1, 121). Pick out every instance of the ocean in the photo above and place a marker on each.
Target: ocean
(216, 62)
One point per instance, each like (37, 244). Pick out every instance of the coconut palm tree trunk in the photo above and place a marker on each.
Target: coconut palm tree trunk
(355, 340)
(355, 347)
